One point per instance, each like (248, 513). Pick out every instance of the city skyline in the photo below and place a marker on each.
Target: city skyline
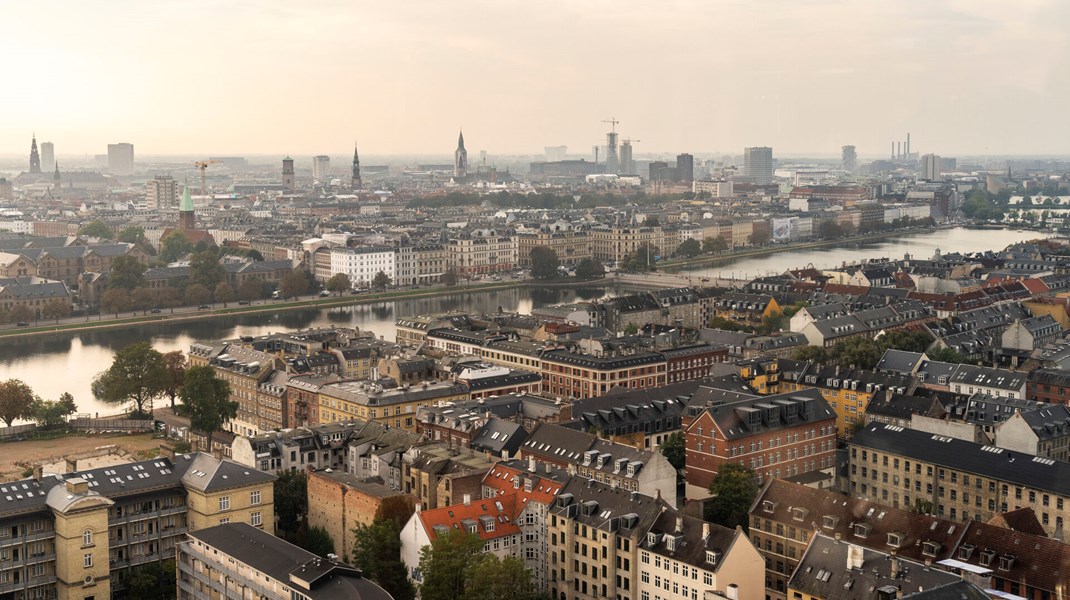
(964, 78)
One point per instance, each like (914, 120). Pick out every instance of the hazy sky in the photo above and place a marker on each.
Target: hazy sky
(401, 76)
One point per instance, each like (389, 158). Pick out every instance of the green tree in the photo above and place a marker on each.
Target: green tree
(56, 309)
(544, 262)
(902, 339)
(51, 413)
(20, 313)
(173, 246)
(143, 299)
(127, 272)
(16, 399)
(294, 284)
(449, 278)
(150, 580)
(224, 293)
(590, 268)
(860, 352)
(830, 230)
(492, 578)
(206, 401)
(137, 374)
(727, 324)
(197, 295)
(674, 451)
(251, 289)
(643, 259)
(815, 354)
(115, 300)
(771, 322)
(689, 248)
(67, 400)
(291, 502)
(759, 236)
(205, 269)
(445, 564)
(714, 245)
(396, 509)
(377, 553)
(339, 283)
(381, 280)
(631, 329)
(734, 489)
(131, 234)
(168, 298)
(947, 355)
(318, 541)
(174, 362)
(97, 229)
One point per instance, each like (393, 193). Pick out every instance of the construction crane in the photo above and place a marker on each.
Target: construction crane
(612, 121)
(203, 166)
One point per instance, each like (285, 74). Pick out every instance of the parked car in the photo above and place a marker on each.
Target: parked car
(243, 302)
(325, 293)
(203, 307)
(155, 311)
(23, 324)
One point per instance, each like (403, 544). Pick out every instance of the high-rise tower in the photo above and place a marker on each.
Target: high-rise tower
(321, 168)
(356, 183)
(627, 164)
(48, 156)
(758, 164)
(35, 158)
(848, 159)
(460, 158)
(612, 162)
(288, 180)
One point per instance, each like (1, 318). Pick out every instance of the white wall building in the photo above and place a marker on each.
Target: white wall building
(363, 263)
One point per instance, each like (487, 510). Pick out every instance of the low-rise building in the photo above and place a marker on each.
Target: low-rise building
(339, 502)
(1043, 432)
(365, 400)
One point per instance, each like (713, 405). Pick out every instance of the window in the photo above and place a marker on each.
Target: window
(87, 560)
(87, 538)
(256, 519)
(254, 497)
(224, 503)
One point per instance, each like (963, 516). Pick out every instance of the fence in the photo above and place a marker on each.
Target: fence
(99, 425)
(7, 433)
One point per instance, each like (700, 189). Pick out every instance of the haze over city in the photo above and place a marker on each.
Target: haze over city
(966, 77)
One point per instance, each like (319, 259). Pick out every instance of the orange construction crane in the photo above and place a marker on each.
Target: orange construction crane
(203, 166)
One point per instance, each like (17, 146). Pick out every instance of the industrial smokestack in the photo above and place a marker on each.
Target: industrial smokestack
(898, 150)
(908, 144)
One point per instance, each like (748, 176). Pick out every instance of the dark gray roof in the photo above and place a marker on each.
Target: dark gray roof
(280, 560)
(989, 377)
(498, 435)
(988, 461)
(899, 361)
(1050, 422)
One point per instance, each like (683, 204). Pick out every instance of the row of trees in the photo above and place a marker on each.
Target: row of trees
(18, 401)
(56, 308)
(545, 264)
(865, 353)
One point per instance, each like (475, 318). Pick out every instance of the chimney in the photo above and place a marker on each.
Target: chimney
(38, 471)
(531, 464)
(167, 451)
(77, 485)
(705, 531)
(732, 592)
(467, 499)
(72, 465)
(679, 524)
(894, 565)
(854, 557)
(417, 507)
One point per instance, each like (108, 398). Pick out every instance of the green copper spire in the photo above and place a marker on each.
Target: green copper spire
(187, 202)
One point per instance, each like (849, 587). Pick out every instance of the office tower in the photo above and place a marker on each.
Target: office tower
(121, 159)
(627, 164)
(35, 159)
(930, 167)
(555, 153)
(612, 162)
(685, 168)
(288, 180)
(162, 191)
(460, 158)
(356, 182)
(849, 159)
(48, 156)
(758, 164)
(321, 168)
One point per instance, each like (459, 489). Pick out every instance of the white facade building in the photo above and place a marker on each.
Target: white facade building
(363, 263)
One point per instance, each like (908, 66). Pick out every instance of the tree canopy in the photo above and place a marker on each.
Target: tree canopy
(446, 565)
(339, 283)
(293, 284)
(544, 262)
(674, 451)
(590, 268)
(205, 269)
(714, 244)
(206, 401)
(381, 280)
(16, 400)
(174, 363)
(137, 374)
(377, 552)
(52, 413)
(174, 245)
(127, 272)
(97, 229)
(689, 248)
(291, 502)
(734, 489)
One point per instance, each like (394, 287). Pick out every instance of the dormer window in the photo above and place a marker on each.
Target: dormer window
(829, 522)
(895, 539)
(1006, 562)
(798, 513)
(711, 557)
(516, 482)
(930, 548)
(768, 506)
(862, 529)
(965, 551)
(652, 539)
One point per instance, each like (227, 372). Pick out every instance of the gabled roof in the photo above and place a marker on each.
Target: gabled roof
(489, 518)
(1039, 560)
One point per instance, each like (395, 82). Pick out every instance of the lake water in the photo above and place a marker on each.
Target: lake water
(56, 363)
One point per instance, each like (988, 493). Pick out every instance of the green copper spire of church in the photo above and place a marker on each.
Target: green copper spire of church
(187, 201)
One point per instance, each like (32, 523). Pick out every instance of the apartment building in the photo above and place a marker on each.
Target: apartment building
(340, 502)
(786, 516)
(571, 244)
(69, 536)
(420, 264)
(348, 400)
(847, 390)
(612, 243)
(238, 561)
(569, 374)
(260, 402)
(779, 436)
(361, 264)
(481, 251)
(953, 478)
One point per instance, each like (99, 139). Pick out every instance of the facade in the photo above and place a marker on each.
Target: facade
(237, 561)
(568, 374)
(361, 264)
(339, 502)
(347, 400)
(1043, 432)
(779, 436)
(481, 251)
(571, 244)
(954, 478)
(321, 168)
(162, 192)
(260, 401)
(70, 536)
(758, 164)
(421, 264)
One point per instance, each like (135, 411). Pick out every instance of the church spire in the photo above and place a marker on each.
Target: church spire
(35, 158)
(356, 183)
(460, 140)
(460, 158)
(186, 218)
(55, 176)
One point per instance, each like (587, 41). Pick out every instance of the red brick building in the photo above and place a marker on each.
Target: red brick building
(779, 436)
(686, 363)
(1048, 385)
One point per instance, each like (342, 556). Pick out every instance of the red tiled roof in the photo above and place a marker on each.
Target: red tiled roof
(502, 509)
(543, 490)
(1036, 286)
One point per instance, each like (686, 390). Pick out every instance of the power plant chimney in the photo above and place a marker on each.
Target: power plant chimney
(908, 145)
